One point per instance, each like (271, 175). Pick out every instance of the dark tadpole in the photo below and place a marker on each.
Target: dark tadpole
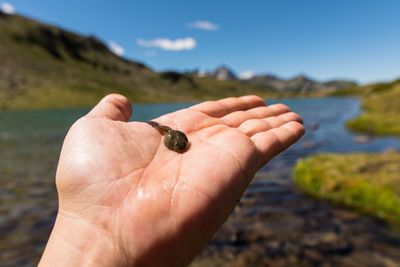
(174, 140)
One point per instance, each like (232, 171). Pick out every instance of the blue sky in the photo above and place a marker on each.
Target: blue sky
(324, 39)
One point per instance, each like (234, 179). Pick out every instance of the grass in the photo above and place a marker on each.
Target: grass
(382, 111)
(381, 104)
(369, 183)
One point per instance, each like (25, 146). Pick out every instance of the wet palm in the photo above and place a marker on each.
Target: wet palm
(156, 206)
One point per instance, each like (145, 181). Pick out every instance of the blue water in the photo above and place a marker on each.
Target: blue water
(329, 114)
(331, 135)
(30, 143)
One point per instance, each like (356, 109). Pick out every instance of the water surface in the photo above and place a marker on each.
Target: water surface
(30, 142)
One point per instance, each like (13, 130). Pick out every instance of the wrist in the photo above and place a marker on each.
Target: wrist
(75, 242)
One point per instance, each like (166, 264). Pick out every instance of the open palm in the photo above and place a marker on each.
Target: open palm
(155, 206)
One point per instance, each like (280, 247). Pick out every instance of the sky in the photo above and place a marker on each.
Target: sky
(323, 39)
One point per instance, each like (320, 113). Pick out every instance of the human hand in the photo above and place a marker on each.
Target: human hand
(125, 199)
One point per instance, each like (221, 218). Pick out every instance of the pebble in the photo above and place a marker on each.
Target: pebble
(308, 144)
(362, 139)
(313, 126)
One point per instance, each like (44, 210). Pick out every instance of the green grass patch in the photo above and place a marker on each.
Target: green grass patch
(369, 183)
(381, 104)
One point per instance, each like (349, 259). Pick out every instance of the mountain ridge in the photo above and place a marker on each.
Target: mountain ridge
(300, 83)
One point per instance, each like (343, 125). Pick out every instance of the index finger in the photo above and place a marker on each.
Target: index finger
(228, 105)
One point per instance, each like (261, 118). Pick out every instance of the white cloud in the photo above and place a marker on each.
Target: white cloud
(187, 43)
(204, 25)
(7, 8)
(247, 74)
(116, 48)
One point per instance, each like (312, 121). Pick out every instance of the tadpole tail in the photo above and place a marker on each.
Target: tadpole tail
(157, 125)
(153, 123)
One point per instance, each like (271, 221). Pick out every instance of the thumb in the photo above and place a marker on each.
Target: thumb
(113, 106)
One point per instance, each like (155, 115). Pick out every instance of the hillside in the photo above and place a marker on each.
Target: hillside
(43, 66)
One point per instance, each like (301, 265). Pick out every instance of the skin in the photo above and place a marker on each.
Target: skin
(127, 200)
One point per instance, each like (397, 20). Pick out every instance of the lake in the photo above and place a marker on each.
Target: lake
(30, 143)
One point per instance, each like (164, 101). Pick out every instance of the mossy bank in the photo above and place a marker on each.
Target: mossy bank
(381, 105)
(369, 183)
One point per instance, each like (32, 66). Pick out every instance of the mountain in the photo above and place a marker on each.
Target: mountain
(303, 84)
(43, 66)
(340, 84)
(300, 84)
(222, 73)
(267, 81)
